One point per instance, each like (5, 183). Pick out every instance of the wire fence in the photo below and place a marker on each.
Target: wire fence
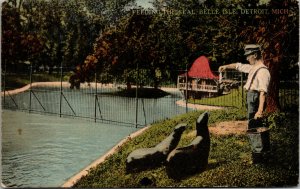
(101, 102)
(289, 95)
(115, 102)
(101, 105)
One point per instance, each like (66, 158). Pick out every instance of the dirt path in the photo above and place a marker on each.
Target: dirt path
(228, 127)
(198, 106)
(225, 128)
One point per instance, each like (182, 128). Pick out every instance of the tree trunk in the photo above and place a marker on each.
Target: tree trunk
(273, 92)
(128, 85)
(274, 56)
(156, 83)
(273, 36)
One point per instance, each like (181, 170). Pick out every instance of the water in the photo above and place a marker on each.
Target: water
(82, 103)
(44, 151)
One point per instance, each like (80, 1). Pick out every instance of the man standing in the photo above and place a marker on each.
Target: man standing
(257, 83)
(257, 88)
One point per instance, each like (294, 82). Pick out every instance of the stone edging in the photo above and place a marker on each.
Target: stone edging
(72, 181)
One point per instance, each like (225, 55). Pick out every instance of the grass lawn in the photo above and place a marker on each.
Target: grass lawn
(233, 99)
(288, 97)
(230, 162)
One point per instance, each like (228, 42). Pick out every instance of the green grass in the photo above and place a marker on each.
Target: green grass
(229, 161)
(288, 98)
(233, 99)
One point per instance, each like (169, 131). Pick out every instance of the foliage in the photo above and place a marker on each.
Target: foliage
(142, 93)
(221, 37)
(17, 44)
(229, 161)
(275, 120)
(274, 33)
(54, 33)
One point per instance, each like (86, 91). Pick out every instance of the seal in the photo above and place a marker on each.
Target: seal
(146, 158)
(193, 158)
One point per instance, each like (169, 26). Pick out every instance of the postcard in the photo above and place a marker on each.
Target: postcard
(149, 93)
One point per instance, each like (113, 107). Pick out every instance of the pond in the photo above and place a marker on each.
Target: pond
(83, 103)
(45, 151)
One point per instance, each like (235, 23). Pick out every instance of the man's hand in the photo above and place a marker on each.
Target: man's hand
(228, 66)
(222, 68)
(258, 115)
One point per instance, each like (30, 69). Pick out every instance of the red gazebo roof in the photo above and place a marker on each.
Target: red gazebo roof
(201, 69)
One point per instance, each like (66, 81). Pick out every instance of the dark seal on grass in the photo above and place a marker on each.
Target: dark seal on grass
(146, 158)
(193, 158)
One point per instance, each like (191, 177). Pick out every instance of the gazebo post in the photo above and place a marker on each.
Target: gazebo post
(186, 86)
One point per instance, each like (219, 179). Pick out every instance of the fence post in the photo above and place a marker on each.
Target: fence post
(242, 81)
(136, 96)
(30, 85)
(4, 83)
(61, 93)
(186, 89)
(95, 95)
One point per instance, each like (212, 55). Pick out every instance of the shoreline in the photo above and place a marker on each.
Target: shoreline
(198, 106)
(63, 84)
(73, 180)
(66, 84)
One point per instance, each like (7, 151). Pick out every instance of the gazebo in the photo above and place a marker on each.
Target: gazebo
(201, 81)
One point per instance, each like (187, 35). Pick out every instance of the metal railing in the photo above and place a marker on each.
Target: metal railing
(198, 87)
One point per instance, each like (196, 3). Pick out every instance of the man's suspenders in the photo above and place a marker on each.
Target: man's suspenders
(254, 75)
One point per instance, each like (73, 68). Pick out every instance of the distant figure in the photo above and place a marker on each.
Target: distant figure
(192, 158)
(145, 158)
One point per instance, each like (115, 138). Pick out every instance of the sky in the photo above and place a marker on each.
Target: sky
(144, 3)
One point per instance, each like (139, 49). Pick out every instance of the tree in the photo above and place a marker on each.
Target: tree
(276, 34)
(162, 44)
(18, 44)
(11, 34)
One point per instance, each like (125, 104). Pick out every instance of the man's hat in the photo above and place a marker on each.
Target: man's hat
(249, 49)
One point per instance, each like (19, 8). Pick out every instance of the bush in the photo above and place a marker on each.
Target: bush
(142, 93)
